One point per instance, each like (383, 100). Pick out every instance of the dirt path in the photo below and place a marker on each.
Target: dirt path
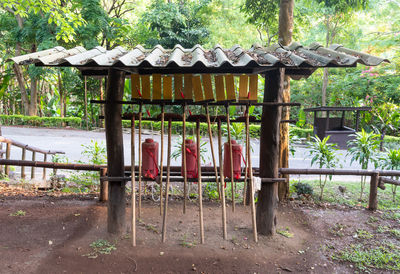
(55, 235)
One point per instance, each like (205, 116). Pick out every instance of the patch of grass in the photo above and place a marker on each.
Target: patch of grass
(285, 232)
(186, 243)
(385, 256)
(382, 229)
(395, 233)
(372, 220)
(337, 229)
(363, 234)
(18, 213)
(100, 247)
(392, 215)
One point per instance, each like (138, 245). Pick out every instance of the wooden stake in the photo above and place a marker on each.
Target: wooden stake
(231, 157)
(164, 225)
(33, 168)
(199, 183)
(162, 157)
(44, 169)
(22, 167)
(222, 184)
(253, 208)
(133, 182)
(210, 136)
(245, 184)
(140, 161)
(184, 157)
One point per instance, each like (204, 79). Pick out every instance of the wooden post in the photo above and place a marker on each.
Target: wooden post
(44, 169)
(184, 157)
(164, 224)
(140, 162)
(86, 111)
(269, 152)
(373, 192)
(23, 159)
(230, 157)
(103, 186)
(8, 151)
(133, 182)
(210, 136)
(115, 151)
(162, 157)
(199, 183)
(222, 182)
(33, 168)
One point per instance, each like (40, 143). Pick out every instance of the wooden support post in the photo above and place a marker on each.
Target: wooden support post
(357, 120)
(164, 225)
(269, 152)
(8, 151)
(222, 182)
(184, 157)
(246, 185)
(33, 168)
(103, 186)
(373, 192)
(210, 137)
(133, 183)
(230, 157)
(251, 183)
(140, 162)
(115, 151)
(44, 169)
(161, 158)
(200, 192)
(23, 159)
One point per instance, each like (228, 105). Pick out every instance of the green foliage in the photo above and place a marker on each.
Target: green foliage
(303, 188)
(211, 191)
(18, 213)
(391, 161)
(363, 150)
(176, 23)
(40, 121)
(95, 152)
(323, 154)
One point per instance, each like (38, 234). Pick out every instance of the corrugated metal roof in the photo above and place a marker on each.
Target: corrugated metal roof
(297, 59)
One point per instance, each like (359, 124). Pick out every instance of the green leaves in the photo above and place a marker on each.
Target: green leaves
(363, 148)
(323, 153)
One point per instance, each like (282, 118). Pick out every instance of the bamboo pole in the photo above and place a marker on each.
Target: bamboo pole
(231, 157)
(23, 159)
(184, 157)
(103, 197)
(164, 225)
(33, 168)
(252, 204)
(199, 183)
(245, 184)
(162, 157)
(44, 169)
(222, 184)
(133, 182)
(140, 161)
(8, 151)
(210, 136)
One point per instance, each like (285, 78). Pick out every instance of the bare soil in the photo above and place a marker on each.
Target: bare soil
(55, 235)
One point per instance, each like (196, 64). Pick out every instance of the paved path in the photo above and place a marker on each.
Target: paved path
(71, 141)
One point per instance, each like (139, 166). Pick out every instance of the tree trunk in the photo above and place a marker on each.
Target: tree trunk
(326, 72)
(61, 94)
(33, 100)
(285, 38)
(115, 152)
(269, 152)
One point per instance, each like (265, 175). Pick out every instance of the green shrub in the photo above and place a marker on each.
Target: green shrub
(303, 188)
(36, 121)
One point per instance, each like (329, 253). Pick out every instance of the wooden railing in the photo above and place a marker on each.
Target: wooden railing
(9, 143)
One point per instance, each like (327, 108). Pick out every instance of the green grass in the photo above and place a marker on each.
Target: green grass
(383, 256)
(100, 246)
(285, 232)
(18, 213)
(351, 196)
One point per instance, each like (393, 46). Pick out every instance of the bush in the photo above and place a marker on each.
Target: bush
(303, 188)
(37, 121)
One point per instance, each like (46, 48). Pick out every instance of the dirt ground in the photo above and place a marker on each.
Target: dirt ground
(55, 234)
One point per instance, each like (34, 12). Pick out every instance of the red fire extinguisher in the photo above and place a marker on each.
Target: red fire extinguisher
(191, 159)
(150, 159)
(237, 160)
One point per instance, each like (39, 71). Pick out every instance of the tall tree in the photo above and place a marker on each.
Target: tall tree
(285, 38)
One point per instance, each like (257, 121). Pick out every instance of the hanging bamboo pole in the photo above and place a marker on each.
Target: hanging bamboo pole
(246, 175)
(210, 136)
(200, 194)
(140, 161)
(164, 225)
(133, 182)
(162, 157)
(222, 184)
(184, 157)
(230, 156)
(253, 209)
